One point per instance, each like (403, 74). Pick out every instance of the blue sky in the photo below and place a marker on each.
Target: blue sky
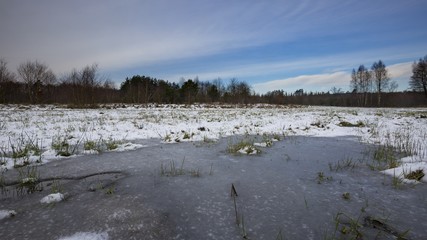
(287, 44)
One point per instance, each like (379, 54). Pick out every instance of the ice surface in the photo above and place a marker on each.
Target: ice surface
(278, 191)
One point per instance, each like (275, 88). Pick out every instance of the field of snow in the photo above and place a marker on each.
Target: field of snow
(41, 134)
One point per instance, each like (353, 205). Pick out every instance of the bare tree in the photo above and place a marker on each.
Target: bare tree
(109, 84)
(220, 86)
(5, 74)
(361, 83)
(335, 90)
(381, 77)
(392, 86)
(83, 84)
(7, 80)
(34, 75)
(418, 81)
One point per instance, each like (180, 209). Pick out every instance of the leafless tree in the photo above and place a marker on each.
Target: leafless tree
(108, 84)
(393, 86)
(361, 84)
(83, 84)
(35, 75)
(335, 90)
(381, 78)
(418, 81)
(5, 74)
(219, 86)
(7, 82)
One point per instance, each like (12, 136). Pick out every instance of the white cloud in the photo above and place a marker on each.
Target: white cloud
(317, 82)
(400, 70)
(401, 73)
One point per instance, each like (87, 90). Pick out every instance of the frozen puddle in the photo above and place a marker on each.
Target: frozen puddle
(184, 191)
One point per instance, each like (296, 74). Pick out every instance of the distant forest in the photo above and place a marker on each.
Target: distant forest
(35, 83)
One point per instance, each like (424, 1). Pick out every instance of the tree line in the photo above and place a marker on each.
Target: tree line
(35, 83)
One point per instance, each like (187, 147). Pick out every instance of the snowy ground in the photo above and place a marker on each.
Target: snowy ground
(46, 133)
(49, 135)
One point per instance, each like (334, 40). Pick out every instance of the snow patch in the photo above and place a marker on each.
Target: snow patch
(260, 144)
(406, 168)
(249, 150)
(128, 147)
(86, 236)
(7, 214)
(51, 198)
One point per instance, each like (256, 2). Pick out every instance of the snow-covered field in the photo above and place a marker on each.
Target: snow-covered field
(40, 134)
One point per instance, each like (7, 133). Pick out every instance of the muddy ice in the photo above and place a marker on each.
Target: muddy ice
(293, 190)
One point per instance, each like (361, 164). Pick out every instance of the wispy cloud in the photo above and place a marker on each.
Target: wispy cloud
(318, 82)
(266, 71)
(324, 82)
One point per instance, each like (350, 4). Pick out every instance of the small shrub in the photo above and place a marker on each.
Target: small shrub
(385, 156)
(110, 191)
(25, 146)
(195, 172)
(343, 164)
(56, 187)
(350, 227)
(172, 170)
(29, 180)
(62, 147)
(21, 162)
(346, 196)
(111, 144)
(268, 141)
(415, 175)
(318, 124)
(90, 145)
(348, 124)
(186, 136)
(167, 138)
(322, 178)
(243, 147)
(396, 181)
(276, 137)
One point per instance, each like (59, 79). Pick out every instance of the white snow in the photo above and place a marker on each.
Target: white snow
(263, 144)
(7, 214)
(50, 127)
(406, 168)
(127, 147)
(86, 236)
(248, 150)
(52, 198)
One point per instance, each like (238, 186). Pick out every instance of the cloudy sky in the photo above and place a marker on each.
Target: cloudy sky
(283, 44)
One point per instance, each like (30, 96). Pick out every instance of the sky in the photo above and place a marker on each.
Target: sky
(272, 45)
